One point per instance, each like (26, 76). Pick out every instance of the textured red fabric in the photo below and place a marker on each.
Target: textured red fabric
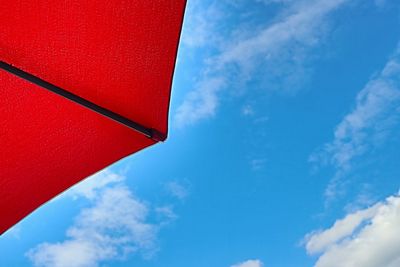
(118, 54)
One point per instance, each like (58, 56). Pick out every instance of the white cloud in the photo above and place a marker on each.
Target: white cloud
(247, 110)
(167, 212)
(89, 187)
(14, 232)
(302, 26)
(114, 226)
(377, 110)
(177, 190)
(279, 49)
(367, 238)
(249, 263)
(200, 22)
(200, 103)
(320, 241)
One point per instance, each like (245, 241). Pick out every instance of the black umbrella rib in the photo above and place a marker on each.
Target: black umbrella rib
(148, 132)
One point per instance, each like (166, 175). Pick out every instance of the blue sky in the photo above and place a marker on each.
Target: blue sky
(283, 151)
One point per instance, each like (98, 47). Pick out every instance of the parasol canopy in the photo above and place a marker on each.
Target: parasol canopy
(82, 85)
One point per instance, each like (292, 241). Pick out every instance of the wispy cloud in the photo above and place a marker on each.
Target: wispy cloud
(200, 103)
(368, 238)
(90, 187)
(177, 189)
(166, 212)
(114, 226)
(201, 23)
(268, 2)
(258, 164)
(364, 198)
(249, 263)
(14, 232)
(247, 110)
(280, 50)
(376, 112)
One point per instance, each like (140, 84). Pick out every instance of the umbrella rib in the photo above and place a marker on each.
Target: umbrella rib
(148, 132)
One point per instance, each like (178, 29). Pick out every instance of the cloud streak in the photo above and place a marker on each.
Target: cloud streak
(249, 263)
(279, 50)
(177, 190)
(376, 112)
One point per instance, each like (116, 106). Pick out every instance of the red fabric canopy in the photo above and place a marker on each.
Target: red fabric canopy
(117, 54)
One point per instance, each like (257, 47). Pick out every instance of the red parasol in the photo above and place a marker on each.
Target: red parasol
(82, 85)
